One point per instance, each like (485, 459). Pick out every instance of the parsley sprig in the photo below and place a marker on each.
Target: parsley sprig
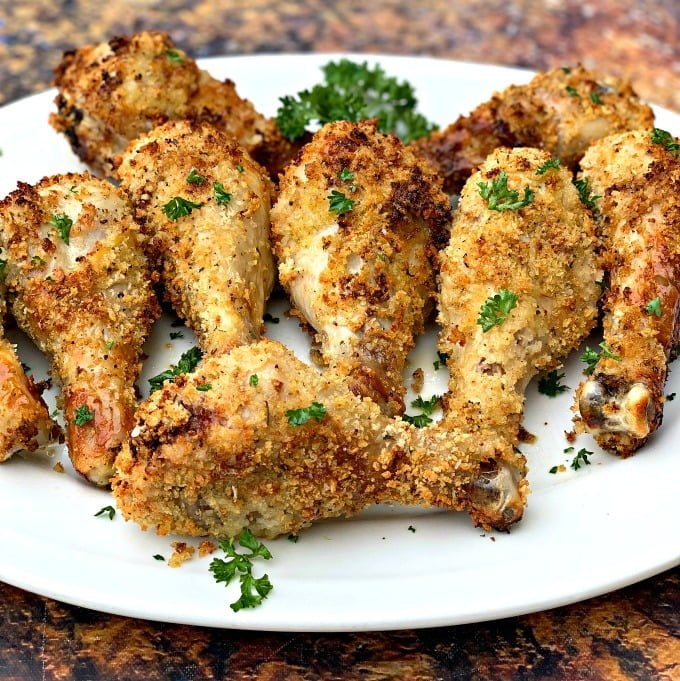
(222, 197)
(581, 458)
(499, 197)
(666, 140)
(427, 407)
(354, 92)
(551, 164)
(550, 384)
(63, 224)
(186, 364)
(591, 357)
(108, 511)
(253, 589)
(298, 417)
(339, 203)
(653, 307)
(496, 309)
(82, 415)
(588, 199)
(179, 207)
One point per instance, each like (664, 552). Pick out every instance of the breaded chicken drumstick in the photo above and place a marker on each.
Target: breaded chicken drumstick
(561, 111)
(111, 93)
(354, 231)
(24, 422)
(518, 292)
(636, 176)
(274, 445)
(81, 289)
(203, 205)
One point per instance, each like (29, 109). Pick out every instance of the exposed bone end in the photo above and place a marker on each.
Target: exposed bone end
(620, 417)
(498, 496)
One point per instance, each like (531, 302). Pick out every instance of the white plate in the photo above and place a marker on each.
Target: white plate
(585, 532)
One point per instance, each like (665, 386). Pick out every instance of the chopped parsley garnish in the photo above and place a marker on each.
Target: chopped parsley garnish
(411, 529)
(346, 175)
(573, 92)
(268, 318)
(419, 420)
(426, 406)
(174, 335)
(187, 362)
(354, 92)
(441, 360)
(596, 99)
(551, 164)
(63, 224)
(158, 557)
(178, 207)
(222, 197)
(239, 168)
(204, 387)
(298, 417)
(174, 56)
(37, 261)
(253, 380)
(566, 69)
(666, 140)
(496, 309)
(554, 469)
(591, 357)
(253, 590)
(670, 397)
(580, 458)
(339, 203)
(195, 178)
(499, 197)
(654, 307)
(585, 194)
(82, 415)
(109, 511)
(109, 344)
(550, 384)
(566, 450)
(293, 538)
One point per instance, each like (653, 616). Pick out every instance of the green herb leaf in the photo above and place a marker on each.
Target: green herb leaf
(188, 361)
(253, 380)
(109, 511)
(551, 164)
(554, 469)
(596, 99)
(591, 357)
(174, 335)
(566, 69)
(496, 309)
(580, 458)
(426, 406)
(653, 307)
(573, 92)
(37, 261)
(253, 591)
(550, 384)
(239, 168)
(339, 203)
(441, 360)
(222, 197)
(419, 420)
(3, 267)
(174, 56)
(178, 207)
(82, 415)
(63, 224)
(158, 557)
(411, 529)
(585, 194)
(109, 344)
(268, 318)
(194, 178)
(499, 197)
(346, 175)
(298, 417)
(204, 387)
(293, 538)
(354, 92)
(666, 140)
(670, 397)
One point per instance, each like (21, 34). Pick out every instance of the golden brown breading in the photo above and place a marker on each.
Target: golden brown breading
(24, 422)
(638, 183)
(111, 93)
(81, 289)
(561, 111)
(214, 462)
(543, 253)
(361, 278)
(214, 258)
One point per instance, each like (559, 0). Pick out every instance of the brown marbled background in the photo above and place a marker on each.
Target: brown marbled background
(631, 634)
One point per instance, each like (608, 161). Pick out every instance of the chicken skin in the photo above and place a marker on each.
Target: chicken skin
(274, 445)
(636, 177)
(24, 422)
(203, 205)
(518, 292)
(113, 92)
(561, 111)
(354, 231)
(81, 289)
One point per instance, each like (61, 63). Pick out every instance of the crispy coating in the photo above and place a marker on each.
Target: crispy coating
(24, 422)
(544, 253)
(215, 262)
(111, 93)
(214, 462)
(88, 304)
(638, 213)
(362, 279)
(561, 111)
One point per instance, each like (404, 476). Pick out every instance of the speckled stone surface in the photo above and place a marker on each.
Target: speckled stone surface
(633, 634)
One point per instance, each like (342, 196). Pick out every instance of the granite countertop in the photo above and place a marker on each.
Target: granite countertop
(629, 634)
